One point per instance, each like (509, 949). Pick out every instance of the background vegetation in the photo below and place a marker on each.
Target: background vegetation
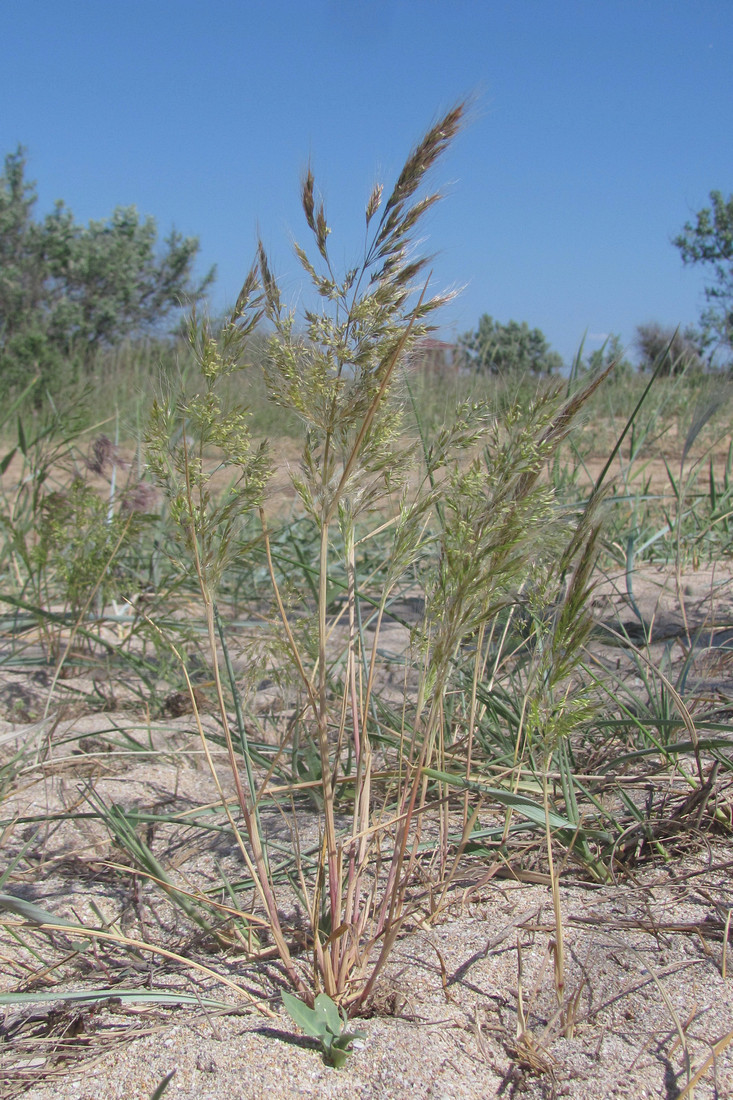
(68, 290)
(98, 308)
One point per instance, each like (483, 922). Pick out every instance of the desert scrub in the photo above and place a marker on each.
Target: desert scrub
(466, 527)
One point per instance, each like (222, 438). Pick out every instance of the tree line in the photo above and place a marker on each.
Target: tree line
(707, 242)
(67, 290)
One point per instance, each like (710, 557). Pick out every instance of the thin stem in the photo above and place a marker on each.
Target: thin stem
(559, 951)
(334, 870)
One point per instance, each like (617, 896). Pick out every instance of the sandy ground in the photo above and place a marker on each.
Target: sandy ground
(644, 987)
(648, 1000)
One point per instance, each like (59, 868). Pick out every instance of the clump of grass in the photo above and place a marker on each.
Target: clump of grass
(81, 536)
(478, 528)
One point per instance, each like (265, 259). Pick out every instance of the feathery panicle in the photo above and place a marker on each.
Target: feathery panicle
(308, 199)
(322, 231)
(375, 201)
(245, 301)
(424, 155)
(342, 365)
(316, 220)
(102, 453)
(269, 284)
(566, 416)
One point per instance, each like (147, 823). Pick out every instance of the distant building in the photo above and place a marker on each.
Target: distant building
(436, 356)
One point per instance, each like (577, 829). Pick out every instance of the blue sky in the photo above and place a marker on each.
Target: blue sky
(599, 127)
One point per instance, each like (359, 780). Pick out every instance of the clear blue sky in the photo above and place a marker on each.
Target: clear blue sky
(600, 126)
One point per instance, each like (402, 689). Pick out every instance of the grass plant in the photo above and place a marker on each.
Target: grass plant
(478, 518)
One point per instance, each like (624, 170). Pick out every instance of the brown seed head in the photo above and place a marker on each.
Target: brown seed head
(101, 453)
(308, 200)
